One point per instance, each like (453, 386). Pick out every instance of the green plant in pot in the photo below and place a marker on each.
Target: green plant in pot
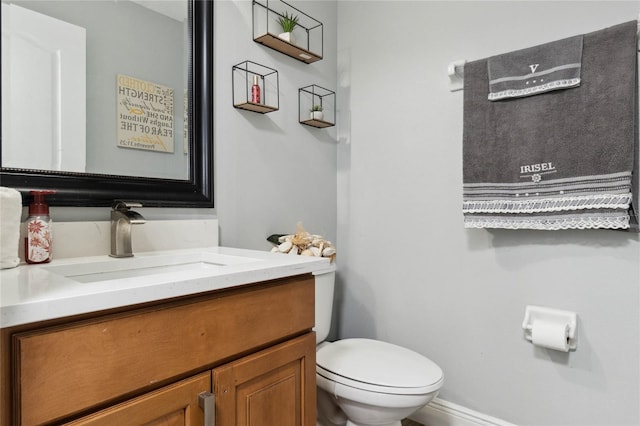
(316, 112)
(287, 23)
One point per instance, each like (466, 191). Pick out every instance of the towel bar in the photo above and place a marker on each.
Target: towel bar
(456, 75)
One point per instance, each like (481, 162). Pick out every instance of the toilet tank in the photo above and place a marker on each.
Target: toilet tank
(325, 283)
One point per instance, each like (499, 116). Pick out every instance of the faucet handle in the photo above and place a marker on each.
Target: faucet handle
(124, 205)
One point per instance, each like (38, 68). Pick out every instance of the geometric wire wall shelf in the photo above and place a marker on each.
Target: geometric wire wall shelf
(316, 106)
(304, 43)
(255, 87)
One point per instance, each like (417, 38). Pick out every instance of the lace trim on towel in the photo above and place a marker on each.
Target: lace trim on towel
(552, 85)
(549, 224)
(597, 201)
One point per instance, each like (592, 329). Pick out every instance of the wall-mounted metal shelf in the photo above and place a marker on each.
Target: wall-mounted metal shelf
(304, 43)
(247, 74)
(314, 97)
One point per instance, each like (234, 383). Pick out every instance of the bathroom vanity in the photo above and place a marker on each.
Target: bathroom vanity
(230, 341)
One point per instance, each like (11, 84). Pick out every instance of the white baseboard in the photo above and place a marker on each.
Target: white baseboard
(443, 413)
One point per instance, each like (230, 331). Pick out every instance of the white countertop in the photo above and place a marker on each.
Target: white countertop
(30, 293)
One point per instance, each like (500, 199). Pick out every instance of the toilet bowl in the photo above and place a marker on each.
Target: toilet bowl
(365, 382)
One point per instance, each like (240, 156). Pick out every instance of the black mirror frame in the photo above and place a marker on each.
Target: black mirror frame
(92, 190)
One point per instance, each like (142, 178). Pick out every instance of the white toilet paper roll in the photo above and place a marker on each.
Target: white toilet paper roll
(550, 335)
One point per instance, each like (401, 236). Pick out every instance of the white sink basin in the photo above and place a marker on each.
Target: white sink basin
(75, 286)
(144, 265)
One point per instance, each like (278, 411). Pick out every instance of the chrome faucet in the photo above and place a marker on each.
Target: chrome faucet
(122, 217)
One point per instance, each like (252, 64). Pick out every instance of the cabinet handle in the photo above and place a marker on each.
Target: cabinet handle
(207, 401)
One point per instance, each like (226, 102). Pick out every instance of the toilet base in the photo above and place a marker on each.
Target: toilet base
(398, 423)
(334, 409)
(330, 414)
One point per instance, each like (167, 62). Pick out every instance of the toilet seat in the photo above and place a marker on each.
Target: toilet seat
(377, 366)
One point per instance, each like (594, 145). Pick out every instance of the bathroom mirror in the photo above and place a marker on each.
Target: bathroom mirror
(138, 108)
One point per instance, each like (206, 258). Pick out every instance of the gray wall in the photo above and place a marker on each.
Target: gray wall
(411, 274)
(271, 171)
(408, 272)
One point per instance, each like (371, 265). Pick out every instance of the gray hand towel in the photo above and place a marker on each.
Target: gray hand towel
(538, 69)
(562, 159)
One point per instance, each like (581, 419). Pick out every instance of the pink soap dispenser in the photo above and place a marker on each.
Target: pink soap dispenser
(37, 242)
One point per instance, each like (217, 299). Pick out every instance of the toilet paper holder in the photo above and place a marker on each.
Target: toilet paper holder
(549, 315)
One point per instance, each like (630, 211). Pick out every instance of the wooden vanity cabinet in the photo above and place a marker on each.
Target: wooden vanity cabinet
(252, 347)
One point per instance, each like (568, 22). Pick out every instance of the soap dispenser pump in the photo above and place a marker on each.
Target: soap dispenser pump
(37, 241)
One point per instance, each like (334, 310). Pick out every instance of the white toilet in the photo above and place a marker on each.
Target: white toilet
(364, 382)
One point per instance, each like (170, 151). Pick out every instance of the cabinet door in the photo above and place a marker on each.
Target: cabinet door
(276, 386)
(173, 405)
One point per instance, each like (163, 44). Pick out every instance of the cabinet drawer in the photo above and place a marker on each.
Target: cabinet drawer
(69, 369)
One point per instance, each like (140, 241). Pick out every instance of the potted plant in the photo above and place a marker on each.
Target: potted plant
(316, 112)
(288, 23)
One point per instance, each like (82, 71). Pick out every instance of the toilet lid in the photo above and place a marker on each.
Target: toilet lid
(378, 366)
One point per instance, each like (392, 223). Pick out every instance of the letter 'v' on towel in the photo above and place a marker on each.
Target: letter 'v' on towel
(536, 70)
(558, 160)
